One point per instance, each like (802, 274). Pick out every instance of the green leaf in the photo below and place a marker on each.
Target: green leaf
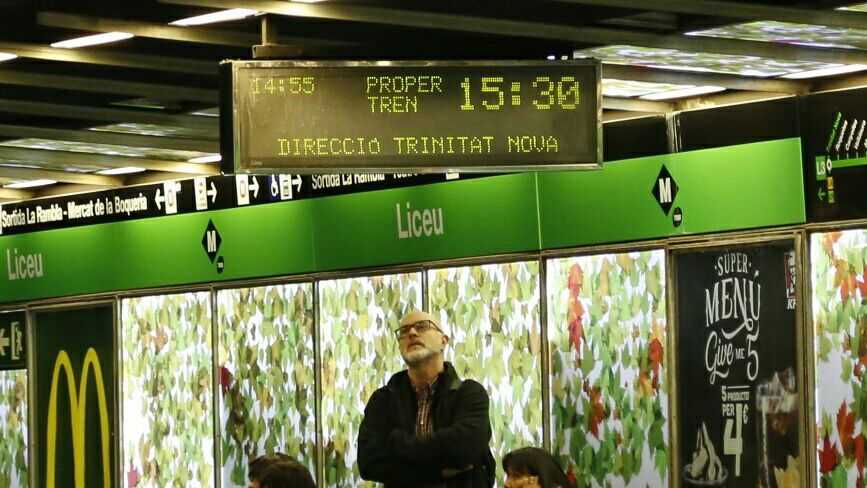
(661, 459)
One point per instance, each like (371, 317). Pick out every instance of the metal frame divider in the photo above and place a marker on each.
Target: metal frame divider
(546, 354)
(215, 390)
(319, 455)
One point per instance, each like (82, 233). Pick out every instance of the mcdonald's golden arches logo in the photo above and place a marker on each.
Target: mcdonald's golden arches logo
(77, 407)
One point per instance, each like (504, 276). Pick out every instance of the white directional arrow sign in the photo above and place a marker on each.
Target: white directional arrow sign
(213, 192)
(296, 182)
(254, 186)
(159, 199)
(4, 342)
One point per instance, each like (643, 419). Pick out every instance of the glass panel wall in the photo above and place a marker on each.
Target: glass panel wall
(359, 354)
(167, 430)
(13, 428)
(609, 395)
(839, 304)
(492, 314)
(267, 381)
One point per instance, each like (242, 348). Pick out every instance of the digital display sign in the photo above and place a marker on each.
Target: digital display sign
(304, 116)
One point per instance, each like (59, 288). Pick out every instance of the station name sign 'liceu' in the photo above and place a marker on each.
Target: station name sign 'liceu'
(395, 116)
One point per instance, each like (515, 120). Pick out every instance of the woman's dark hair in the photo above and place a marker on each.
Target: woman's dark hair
(286, 474)
(257, 466)
(537, 462)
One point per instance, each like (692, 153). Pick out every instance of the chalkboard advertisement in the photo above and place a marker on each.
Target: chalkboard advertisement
(736, 366)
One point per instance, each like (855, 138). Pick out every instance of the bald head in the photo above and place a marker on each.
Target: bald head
(417, 316)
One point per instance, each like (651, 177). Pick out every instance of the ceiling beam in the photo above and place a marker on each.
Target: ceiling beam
(61, 189)
(10, 194)
(725, 99)
(102, 137)
(619, 115)
(734, 82)
(115, 87)
(89, 159)
(200, 35)
(81, 112)
(62, 176)
(110, 58)
(739, 10)
(154, 177)
(635, 105)
(539, 30)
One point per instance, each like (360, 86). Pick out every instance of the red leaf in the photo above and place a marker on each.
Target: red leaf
(132, 477)
(225, 379)
(597, 411)
(576, 324)
(827, 457)
(859, 452)
(571, 475)
(655, 354)
(846, 428)
(576, 279)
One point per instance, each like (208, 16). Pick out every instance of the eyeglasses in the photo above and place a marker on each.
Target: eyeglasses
(420, 327)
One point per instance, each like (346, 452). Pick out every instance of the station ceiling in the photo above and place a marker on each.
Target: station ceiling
(84, 118)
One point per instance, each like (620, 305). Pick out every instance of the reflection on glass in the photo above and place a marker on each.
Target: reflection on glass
(266, 371)
(696, 61)
(606, 327)
(359, 354)
(167, 433)
(839, 288)
(13, 428)
(492, 312)
(791, 33)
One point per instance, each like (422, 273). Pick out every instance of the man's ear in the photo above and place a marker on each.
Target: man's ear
(445, 340)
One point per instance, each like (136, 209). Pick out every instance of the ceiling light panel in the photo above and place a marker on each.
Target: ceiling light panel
(627, 88)
(105, 149)
(701, 62)
(691, 91)
(214, 17)
(29, 184)
(121, 171)
(858, 7)
(155, 130)
(8, 163)
(92, 40)
(7, 56)
(789, 33)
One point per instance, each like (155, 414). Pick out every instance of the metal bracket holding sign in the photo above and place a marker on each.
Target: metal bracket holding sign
(410, 116)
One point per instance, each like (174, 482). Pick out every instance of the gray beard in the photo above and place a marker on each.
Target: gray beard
(415, 358)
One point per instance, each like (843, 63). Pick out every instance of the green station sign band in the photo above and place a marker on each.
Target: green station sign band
(739, 187)
(466, 115)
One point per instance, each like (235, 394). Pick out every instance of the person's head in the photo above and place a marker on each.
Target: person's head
(257, 467)
(420, 338)
(532, 467)
(286, 474)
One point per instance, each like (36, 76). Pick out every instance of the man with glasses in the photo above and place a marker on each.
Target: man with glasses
(426, 428)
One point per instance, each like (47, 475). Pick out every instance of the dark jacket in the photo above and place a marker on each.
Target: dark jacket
(389, 452)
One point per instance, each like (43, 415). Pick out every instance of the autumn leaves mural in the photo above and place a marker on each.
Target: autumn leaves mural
(609, 397)
(839, 304)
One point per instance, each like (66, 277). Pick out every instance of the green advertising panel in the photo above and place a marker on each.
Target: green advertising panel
(75, 397)
(712, 190)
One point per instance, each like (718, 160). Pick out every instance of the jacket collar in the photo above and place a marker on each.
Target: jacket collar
(448, 378)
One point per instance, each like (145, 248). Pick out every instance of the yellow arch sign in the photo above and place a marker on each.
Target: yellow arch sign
(77, 407)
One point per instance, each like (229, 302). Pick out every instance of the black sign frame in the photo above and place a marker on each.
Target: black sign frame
(795, 297)
(235, 159)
